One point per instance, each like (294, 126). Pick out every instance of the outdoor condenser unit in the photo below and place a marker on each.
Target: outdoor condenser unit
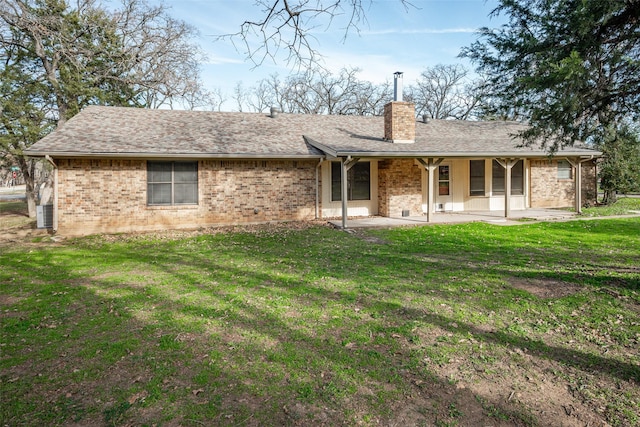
(44, 216)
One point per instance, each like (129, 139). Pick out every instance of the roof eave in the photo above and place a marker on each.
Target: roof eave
(467, 154)
(141, 155)
(322, 147)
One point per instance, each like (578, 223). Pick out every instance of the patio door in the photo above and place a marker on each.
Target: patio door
(443, 188)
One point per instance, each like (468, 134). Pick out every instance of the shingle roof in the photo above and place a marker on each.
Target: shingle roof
(131, 132)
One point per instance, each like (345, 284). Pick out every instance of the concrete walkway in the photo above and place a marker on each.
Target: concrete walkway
(493, 217)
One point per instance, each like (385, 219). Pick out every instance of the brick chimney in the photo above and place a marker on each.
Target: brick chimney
(399, 116)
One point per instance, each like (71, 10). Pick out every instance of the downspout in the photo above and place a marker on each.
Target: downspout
(318, 188)
(55, 192)
(344, 189)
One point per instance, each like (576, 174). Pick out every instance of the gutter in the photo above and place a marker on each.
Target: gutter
(333, 152)
(470, 154)
(139, 155)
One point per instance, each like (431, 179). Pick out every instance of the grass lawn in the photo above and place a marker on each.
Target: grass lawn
(624, 205)
(448, 325)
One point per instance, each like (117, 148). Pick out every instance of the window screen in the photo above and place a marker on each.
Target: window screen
(564, 169)
(497, 178)
(476, 177)
(517, 178)
(358, 182)
(172, 183)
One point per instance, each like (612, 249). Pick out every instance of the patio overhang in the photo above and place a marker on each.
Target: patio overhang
(430, 159)
(393, 151)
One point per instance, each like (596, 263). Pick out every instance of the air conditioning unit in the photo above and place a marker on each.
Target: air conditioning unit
(44, 216)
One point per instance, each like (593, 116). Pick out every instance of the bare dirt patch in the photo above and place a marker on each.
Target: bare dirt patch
(368, 238)
(545, 288)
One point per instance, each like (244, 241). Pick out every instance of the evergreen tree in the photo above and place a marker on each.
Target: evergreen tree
(570, 67)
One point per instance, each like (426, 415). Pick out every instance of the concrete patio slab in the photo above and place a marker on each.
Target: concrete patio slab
(492, 217)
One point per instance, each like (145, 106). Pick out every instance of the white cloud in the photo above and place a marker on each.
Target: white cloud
(219, 60)
(420, 31)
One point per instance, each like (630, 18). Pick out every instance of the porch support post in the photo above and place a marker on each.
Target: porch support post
(579, 186)
(577, 164)
(507, 164)
(430, 165)
(318, 188)
(345, 164)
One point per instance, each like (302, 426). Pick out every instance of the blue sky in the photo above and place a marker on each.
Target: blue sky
(394, 38)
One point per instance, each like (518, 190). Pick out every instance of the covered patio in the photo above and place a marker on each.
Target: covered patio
(492, 217)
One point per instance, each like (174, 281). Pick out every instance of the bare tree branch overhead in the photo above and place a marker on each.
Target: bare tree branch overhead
(287, 26)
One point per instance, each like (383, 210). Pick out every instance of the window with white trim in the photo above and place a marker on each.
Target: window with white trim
(172, 183)
(564, 169)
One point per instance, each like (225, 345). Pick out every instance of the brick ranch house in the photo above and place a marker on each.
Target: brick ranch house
(126, 169)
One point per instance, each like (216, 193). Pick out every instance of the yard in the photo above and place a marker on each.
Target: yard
(443, 325)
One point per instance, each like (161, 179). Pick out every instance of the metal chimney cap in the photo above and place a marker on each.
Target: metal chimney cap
(397, 86)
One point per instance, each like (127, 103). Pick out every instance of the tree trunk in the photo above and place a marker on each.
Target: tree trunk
(31, 201)
(29, 167)
(610, 197)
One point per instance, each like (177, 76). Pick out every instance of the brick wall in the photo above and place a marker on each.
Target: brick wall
(97, 196)
(547, 191)
(399, 121)
(400, 187)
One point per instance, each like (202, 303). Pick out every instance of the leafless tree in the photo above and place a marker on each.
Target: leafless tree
(370, 99)
(269, 92)
(216, 99)
(286, 25)
(261, 96)
(439, 92)
(164, 64)
(241, 96)
(321, 93)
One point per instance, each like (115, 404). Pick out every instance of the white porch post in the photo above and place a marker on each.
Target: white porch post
(577, 164)
(578, 186)
(430, 166)
(345, 165)
(343, 190)
(430, 182)
(507, 164)
(507, 189)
